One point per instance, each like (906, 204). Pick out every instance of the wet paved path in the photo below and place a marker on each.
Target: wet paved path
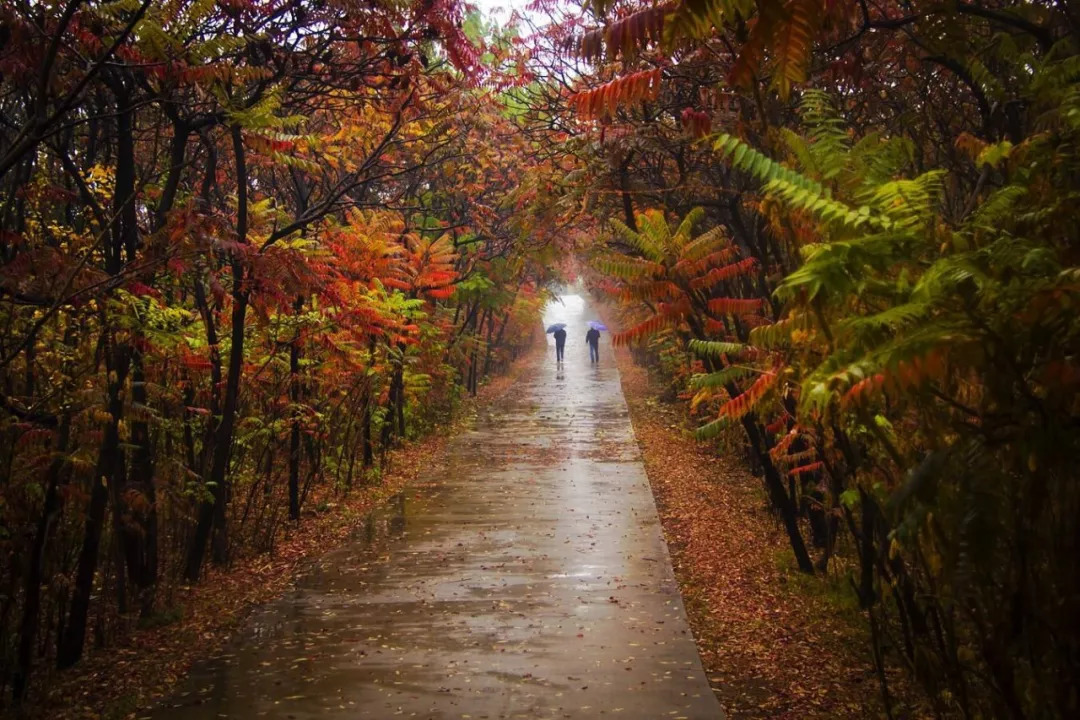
(532, 583)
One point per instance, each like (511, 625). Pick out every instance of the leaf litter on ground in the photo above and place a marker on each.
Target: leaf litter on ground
(771, 647)
(143, 668)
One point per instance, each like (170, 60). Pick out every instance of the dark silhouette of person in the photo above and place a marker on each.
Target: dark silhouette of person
(560, 343)
(593, 339)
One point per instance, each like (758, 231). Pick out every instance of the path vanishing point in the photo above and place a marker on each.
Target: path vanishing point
(532, 582)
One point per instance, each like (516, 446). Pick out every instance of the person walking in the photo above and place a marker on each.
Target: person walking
(560, 344)
(593, 339)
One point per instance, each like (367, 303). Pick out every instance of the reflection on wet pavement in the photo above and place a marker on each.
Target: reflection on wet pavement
(533, 582)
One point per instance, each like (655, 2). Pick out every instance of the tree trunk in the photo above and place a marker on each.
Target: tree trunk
(126, 240)
(474, 375)
(122, 241)
(294, 432)
(71, 644)
(498, 342)
(395, 404)
(223, 438)
(212, 514)
(778, 493)
(142, 554)
(35, 572)
(867, 596)
(774, 483)
(399, 399)
(369, 449)
(365, 431)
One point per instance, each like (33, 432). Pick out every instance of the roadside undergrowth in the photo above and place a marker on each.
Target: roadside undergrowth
(775, 644)
(195, 622)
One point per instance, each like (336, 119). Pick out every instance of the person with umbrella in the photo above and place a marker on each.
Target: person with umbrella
(560, 339)
(593, 339)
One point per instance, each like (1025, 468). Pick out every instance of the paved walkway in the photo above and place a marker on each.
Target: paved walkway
(534, 583)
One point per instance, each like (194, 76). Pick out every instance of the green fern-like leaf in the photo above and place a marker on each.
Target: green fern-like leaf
(686, 228)
(640, 241)
(654, 233)
(704, 245)
(749, 160)
(715, 348)
(628, 268)
(839, 267)
(998, 208)
(778, 334)
(712, 429)
(911, 202)
(893, 319)
(721, 378)
(824, 207)
(829, 143)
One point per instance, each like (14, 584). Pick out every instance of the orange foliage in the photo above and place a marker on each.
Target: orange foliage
(720, 274)
(604, 100)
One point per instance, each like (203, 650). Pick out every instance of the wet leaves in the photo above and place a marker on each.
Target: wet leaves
(770, 649)
(145, 668)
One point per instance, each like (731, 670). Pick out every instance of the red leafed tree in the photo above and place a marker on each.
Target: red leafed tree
(229, 262)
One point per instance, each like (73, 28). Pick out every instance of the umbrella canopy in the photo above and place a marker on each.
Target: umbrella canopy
(555, 326)
(597, 325)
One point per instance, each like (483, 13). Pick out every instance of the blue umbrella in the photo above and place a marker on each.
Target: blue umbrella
(555, 326)
(597, 325)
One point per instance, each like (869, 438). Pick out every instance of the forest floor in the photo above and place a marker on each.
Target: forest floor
(774, 643)
(125, 678)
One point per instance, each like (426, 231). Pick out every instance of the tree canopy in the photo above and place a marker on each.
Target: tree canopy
(845, 233)
(248, 246)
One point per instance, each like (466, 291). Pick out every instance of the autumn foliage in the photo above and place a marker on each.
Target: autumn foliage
(887, 328)
(247, 249)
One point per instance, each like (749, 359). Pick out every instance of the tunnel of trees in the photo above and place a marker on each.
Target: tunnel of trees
(248, 246)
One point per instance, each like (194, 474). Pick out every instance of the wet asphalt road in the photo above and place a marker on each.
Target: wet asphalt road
(533, 582)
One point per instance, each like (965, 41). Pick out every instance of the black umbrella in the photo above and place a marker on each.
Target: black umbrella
(556, 326)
